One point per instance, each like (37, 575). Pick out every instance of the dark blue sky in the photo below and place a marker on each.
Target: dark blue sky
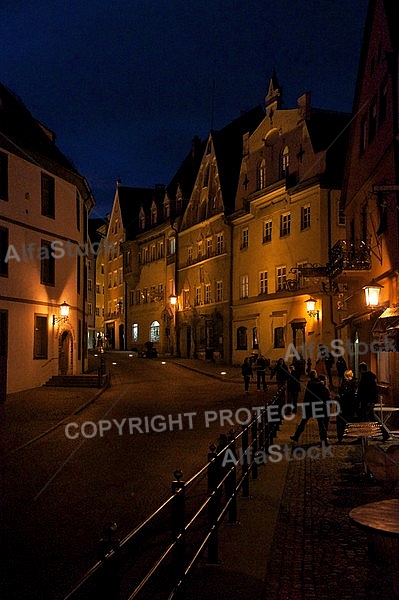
(126, 85)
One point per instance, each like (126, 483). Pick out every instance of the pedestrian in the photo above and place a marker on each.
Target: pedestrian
(308, 366)
(293, 388)
(347, 402)
(282, 373)
(341, 367)
(329, 362)
(247, 373)
(325, 396)
(261, 364)
(313, 408)
(367, 393)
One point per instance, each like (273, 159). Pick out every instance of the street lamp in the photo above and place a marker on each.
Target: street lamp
(173, 299)
(372, 294)
(64, 313)
(310, 308)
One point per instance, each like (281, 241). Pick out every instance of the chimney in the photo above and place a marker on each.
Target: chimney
(304, 103)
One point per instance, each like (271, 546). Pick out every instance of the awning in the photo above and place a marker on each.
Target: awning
(388, 320)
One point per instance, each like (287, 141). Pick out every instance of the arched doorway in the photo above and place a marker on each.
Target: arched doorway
(65, 353)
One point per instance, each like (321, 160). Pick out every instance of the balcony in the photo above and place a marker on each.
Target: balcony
(347, 255)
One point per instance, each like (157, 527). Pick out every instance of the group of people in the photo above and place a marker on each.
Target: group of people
(356, 398)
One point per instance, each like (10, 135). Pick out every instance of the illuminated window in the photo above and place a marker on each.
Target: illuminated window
(154, 331)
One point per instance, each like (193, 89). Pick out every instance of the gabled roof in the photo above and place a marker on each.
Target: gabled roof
(130, 201)
(93, 227)
(187, 172)
(329, 132)
(19, 130)
(22, 135)
(228, 150)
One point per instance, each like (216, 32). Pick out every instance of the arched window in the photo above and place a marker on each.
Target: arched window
(154, 331)
(261, 175)
(242, 342)
(284, 162)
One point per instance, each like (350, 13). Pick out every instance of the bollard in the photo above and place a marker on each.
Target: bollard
(214, 505)
(245, 461)
(254, 438)
(109, 580)
(231, 482)
(178, 520)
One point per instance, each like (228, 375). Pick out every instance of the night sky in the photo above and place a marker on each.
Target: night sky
(126, 85)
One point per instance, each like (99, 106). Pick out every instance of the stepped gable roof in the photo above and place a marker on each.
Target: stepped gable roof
(93, 225)
(131, 199)
(228, 146)
(22, 134)
(329, 132)
(187, 172)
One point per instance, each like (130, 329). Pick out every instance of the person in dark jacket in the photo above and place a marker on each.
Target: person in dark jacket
(347, 403)
(314, 407)
(293, 387)
(341, 367)
(261, 364)
(247, 373)
(367, 392)
(282, 373)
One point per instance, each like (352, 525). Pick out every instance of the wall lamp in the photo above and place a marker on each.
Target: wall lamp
(372, 294)
(64, 313)
(310, 308)
(173, 299)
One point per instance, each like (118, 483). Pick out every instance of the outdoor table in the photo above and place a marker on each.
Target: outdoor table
(385, 412)
(380, 521)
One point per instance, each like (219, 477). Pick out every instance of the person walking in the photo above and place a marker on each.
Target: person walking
(293, 387)
(347, 403)
(341, 367)
(282, 373)
(313, 408)
(247, 373)
(261, 365)
(367, 392)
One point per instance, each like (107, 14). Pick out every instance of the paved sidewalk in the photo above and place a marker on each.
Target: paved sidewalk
(293, 541)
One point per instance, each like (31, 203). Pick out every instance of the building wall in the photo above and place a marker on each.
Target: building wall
(22, 293)
(115, 293)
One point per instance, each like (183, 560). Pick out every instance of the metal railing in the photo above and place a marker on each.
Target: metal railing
(155, 559)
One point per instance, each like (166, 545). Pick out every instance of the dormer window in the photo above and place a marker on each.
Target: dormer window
(142, 219)
(261, 175)
(166, 209)
(154, 214)
(284, 162)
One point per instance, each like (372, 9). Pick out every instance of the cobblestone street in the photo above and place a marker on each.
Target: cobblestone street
(317, 554)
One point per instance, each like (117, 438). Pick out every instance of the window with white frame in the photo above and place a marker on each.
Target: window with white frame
(135, 332)
(284, 162)
(199, 250)
(244, 238)
(244, 286)
(267, 231)
(172, 245)
(186, 298)
(263, 288)
(220, 243)
(305, 217)
(89, 308)
(209, 246)
(261, 175)
(207, 293)
(281, 278)
(154, 331)
(198, 295)
(138, 296)
(219, 291)
(152, 253)
(285, 224)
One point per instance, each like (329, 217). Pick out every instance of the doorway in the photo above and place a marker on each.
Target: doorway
(64, 353)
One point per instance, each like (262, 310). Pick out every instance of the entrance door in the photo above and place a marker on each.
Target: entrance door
(121, 337)
(64, 353)
(3, 354)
